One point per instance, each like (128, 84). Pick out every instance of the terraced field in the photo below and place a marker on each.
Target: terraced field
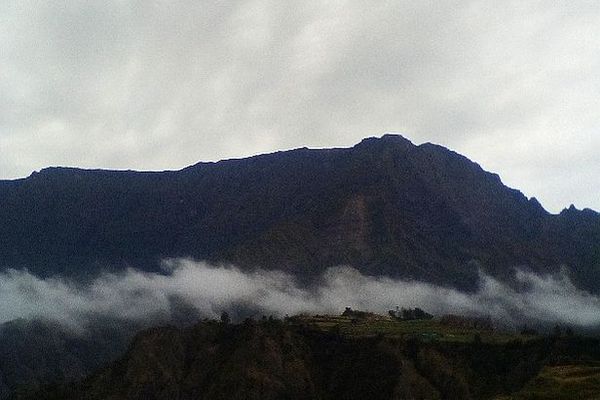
(427, 330)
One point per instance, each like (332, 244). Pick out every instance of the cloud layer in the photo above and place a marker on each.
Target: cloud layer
(155, 85)
(207, 290)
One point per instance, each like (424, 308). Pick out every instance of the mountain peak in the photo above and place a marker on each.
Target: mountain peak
(388, 138)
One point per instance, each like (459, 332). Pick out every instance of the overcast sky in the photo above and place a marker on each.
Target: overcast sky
(122, 84)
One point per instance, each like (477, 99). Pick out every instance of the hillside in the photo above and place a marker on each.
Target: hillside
(37, 352)
(384, 206)
(272, 359)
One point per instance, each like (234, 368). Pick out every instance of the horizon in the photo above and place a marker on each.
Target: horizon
(395, 134)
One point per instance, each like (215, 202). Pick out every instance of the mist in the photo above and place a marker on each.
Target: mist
(205, 291)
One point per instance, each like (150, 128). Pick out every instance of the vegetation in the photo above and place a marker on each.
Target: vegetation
(562, 382)
(352, 356)
(451, 328)
(409, 314)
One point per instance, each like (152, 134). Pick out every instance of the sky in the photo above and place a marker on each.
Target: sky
(153, 85)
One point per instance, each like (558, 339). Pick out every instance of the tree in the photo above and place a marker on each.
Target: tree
(569, 332)
(407, 314)
(556, 331)
(225, 319)
(420, 314)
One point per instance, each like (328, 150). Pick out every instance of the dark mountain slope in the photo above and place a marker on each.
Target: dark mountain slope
(35, 352)
(384, 206)
(275, 360)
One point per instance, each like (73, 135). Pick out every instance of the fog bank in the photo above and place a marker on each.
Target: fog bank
(208, 290)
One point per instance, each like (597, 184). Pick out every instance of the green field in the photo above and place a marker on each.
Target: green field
(563, 382)
(428, 330)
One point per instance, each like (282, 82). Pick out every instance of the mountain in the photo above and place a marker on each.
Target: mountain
(276, 360)
(384, 206)
(35, 352)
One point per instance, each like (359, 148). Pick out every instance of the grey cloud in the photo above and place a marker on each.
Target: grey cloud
(143, 297)
(155, 85)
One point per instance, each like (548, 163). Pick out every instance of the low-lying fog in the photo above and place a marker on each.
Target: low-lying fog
(209, 290)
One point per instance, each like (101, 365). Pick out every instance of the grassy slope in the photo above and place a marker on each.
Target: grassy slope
(422, 329)
(562, 382)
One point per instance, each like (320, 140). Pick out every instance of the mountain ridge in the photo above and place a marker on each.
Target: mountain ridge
(384, 206)
(200, 164)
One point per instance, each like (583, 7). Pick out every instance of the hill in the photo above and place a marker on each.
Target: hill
(272, 359)
(384, 206)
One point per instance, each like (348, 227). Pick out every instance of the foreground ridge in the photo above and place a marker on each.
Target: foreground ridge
(329, 357)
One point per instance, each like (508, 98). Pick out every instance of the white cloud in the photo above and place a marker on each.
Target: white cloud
(148, 297)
